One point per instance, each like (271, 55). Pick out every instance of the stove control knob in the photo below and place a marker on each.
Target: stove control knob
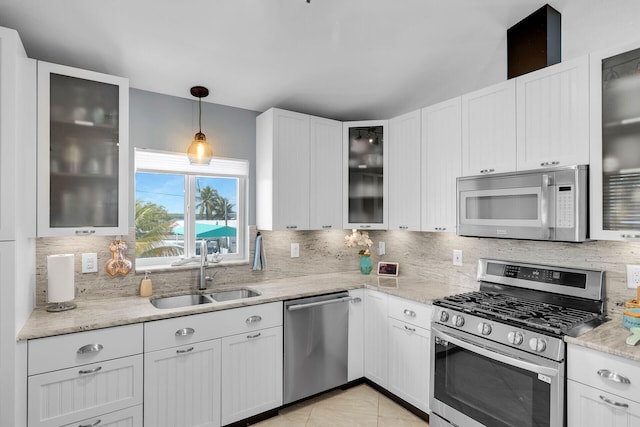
(457, 320)
(537, 344)
(444, 316)
(515, 338)
(484, 328)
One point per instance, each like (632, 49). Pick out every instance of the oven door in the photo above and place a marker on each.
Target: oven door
(476, 382)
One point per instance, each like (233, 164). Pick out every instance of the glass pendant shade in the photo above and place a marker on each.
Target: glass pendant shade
(199, 152)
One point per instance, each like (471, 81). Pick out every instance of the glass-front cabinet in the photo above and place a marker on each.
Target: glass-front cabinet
(615, 144)
(82, 152)
(366, 184)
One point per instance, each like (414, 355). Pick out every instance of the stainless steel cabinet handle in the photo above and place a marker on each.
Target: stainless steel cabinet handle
(184, 351)
(365, 226)
(551, 163)
(611, 402)
(487, 170)
(630, 236)
(85, 232)
(90, 371)
(356, 300)
(327, 226)
(90, 348)
(409, 313)
(90, 425)
(440, 228)
(253, 336)
(613, 376)
(291, 227)
(185, 331)
(253, 319)
(409, 329)
(403, 227)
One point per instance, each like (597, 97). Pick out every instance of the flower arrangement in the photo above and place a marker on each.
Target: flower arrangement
(359, 238)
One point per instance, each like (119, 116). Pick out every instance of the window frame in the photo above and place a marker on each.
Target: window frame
(153, 161)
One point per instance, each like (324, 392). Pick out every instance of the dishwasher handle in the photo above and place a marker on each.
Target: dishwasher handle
(296, 307)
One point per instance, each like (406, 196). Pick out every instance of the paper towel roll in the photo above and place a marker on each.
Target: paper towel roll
(60, 283)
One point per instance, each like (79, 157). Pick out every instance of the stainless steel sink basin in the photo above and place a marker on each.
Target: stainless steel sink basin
(234, 294)
(181, 301)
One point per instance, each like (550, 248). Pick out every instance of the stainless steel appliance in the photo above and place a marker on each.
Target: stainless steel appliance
(498, 355)
(315, 344)
(545, 204)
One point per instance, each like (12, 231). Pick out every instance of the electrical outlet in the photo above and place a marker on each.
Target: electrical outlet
(381, 248)
(457, 257)
(633, 276)
(90, 263)
(295, 250)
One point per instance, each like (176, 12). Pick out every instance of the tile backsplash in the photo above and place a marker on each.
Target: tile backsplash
(419, 254)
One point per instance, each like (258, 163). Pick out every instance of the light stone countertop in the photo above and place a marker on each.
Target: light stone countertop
(609, 338)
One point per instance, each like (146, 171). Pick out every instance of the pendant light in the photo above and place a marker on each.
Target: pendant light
(199, 152)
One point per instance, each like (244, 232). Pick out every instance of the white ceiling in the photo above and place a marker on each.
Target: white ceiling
(343, 59)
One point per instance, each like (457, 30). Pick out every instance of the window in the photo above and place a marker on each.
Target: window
(179, 205)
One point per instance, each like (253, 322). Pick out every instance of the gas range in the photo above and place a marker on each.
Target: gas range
(527, 306)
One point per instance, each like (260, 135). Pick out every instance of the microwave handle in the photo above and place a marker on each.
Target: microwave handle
(545, 206)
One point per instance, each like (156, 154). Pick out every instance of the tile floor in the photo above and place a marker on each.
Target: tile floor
(358, 406)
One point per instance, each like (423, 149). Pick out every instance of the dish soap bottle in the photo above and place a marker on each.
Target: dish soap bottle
(146, 288)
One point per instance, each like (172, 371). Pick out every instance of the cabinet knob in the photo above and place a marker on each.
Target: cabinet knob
(487, 170)
(90, 348)
(185, 331)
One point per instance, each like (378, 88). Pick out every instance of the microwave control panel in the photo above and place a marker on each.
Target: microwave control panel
(565, 206)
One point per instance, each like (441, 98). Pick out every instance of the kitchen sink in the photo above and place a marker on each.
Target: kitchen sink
(181, 301)
(234, 294)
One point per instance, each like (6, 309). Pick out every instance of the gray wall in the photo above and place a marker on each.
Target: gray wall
(168, 123)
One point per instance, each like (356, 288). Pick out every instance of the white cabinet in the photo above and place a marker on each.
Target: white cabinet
(83, 152)
(615, 153)
(251, 373)
(489, 130)
(83, 376)
(325, 205)
(553, 116)
(375, 337)
(182, 386)
(355, 363)
(441, 152)
(130, 417)
(602, 389)
(282, 170)
(404, 172)
(366, 177)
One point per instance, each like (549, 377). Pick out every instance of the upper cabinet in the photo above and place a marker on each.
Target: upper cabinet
(366, 183)
(489, 130)
(282, 170)
(615, 152)
(83, 152)
(441, 165)
(553, 116)
(404, 172)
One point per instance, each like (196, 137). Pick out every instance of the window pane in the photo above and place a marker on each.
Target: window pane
(217, 214)
(159, 215)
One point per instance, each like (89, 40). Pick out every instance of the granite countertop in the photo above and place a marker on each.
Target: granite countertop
(608, 338)
(103, 313)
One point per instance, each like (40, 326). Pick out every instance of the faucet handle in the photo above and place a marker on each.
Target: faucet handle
(210, 278)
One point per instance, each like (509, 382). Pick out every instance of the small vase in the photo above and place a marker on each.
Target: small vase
(365, 264)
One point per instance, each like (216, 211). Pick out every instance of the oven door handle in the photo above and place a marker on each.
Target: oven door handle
(495, 354)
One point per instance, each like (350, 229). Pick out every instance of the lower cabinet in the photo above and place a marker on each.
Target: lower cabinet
(130, 417)
(589, 406)
(375, 337)
(355, 352)
(251, 373)
(182, 386)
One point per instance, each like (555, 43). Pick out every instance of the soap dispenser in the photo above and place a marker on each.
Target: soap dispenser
(146, 288)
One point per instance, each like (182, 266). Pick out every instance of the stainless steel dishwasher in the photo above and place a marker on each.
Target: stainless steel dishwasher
(315, 344)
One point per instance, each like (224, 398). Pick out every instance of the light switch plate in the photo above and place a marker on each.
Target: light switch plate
(457, 257)
(90, 263)
(633, 276)
(295, 250)
(381, 248)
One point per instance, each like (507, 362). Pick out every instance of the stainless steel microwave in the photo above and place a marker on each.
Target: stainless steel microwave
(544, 204)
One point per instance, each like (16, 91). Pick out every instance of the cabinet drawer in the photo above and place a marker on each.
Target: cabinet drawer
(71, 395)
(604, 371)
(410, 311)
(200, 327)
(65, 351)
(130, 417)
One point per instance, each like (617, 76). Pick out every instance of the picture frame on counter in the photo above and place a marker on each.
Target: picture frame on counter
(388, 269)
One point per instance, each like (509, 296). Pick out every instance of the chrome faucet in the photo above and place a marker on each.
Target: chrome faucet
(203, 266)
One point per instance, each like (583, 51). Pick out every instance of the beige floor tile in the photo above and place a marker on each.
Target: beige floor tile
(388, 408)
(339, 417)
(400, 422)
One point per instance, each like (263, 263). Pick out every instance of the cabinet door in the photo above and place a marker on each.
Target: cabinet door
(441, 151)
(375, 337)
(251, 374)
(325, 205)
(404, 172)
(489, 130)
(366, 184)
(182, 386)
(83, 154)
(409, 363)
(355, 364)
(615, 153)
(282, 170)
(553, 116)
(589, 406)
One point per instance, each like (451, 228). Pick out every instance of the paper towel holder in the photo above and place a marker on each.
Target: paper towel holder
(61, 306)
(60, 282)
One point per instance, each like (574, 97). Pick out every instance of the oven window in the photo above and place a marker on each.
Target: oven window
(491, 392)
